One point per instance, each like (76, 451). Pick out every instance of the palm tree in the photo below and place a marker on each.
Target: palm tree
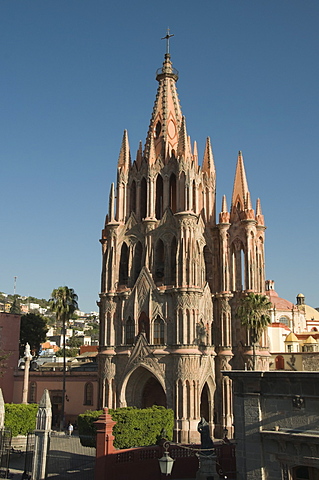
(253, 312)
(64, 301)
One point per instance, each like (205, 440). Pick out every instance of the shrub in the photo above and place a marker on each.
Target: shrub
(134, 427)
(87, 430)
(19, 418)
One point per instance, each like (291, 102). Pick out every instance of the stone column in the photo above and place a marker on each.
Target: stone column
(27, 358)
(104, 443)
(42, 435)
(2, 410)
(248, 421)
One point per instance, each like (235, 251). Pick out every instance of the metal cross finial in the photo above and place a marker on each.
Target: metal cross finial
(167, 37)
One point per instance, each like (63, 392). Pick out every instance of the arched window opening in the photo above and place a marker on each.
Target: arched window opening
(200, 199)
(143, 200)
(159, 262)
(238, 269)
(159, 331)
(137, 260)
(284, 320)
(133, 197)
(188, 399)
(173, 261)
(158, 129)
(208, 259)
(123, 273)
(159, 197)
(144, 325)
(129, 331)
(194, 197)
(172, 193)
(110, 270)
(88, 394)
(243, 270)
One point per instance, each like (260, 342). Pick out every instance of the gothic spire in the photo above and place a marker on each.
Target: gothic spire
(224, 214)
(167, 115)
(183, 146)
(259, 215)
(124, 161)
(139, 155)
(240, 190)
(208, 161)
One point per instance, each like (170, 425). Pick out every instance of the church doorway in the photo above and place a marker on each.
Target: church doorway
(205, 403)
(143, 390)
(305, 473)
(153, 394)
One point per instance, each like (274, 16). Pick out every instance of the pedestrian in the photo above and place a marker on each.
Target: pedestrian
(70, 429)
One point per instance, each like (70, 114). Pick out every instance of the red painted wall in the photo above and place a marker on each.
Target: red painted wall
(9, 344)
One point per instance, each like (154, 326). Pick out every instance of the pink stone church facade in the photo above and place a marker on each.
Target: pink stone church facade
(173, 274)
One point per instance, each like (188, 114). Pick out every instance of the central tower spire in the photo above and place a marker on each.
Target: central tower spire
(167, 115)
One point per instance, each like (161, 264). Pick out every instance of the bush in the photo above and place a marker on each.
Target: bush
(87, 430)
(134, 427)
(19, 418)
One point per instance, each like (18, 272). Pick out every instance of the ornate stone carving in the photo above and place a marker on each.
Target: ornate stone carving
(110, 307)
(106, 368)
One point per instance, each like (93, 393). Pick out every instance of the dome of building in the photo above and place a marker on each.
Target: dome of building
(291, 338)
(310, 340)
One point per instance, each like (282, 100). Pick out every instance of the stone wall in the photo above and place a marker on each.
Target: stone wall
(276, 423)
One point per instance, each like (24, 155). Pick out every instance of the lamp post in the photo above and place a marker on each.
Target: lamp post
(166, 462)
(27, 358)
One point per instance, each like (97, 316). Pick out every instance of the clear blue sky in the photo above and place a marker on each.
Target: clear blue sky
(75, 74)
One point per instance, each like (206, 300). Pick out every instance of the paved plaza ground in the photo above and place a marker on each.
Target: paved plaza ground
(67, 460)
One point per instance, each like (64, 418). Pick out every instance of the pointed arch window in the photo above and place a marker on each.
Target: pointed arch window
(123, 273)
(129, 331)
(194, 197)
(159, 331)
(88, 393)
(159, 261)
(172, 192)
(238, 266)
(144, 325)
(208, 259)
(173, 261)
(159, 197)
(133, 196)
(137, 260)
(143, 199)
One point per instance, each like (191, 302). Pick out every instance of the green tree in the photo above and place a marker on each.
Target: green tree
(254, 314)
(75, 342)
(33, 330)
(69, 352)
(64, 302)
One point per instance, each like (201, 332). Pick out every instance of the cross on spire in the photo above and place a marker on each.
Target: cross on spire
(167, 37)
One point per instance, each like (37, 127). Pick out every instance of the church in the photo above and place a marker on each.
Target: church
(173, 274)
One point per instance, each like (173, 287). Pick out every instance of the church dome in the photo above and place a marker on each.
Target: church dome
(291, 338)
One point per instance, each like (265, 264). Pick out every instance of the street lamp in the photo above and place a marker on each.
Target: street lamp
(166, 462)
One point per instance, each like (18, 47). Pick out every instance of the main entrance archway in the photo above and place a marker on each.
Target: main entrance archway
(143, 390)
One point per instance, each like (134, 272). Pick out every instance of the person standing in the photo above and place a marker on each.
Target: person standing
(70, 429)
